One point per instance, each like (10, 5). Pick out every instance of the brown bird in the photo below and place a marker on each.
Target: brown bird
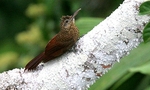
(60, 43)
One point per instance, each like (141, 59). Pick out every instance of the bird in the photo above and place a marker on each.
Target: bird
(59, 44)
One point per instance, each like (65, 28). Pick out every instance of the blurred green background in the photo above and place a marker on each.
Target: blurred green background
(27, 25)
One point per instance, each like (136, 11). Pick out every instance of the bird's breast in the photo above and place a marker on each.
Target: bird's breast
(71, 34)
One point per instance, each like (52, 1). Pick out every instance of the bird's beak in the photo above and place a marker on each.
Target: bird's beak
(74, 14)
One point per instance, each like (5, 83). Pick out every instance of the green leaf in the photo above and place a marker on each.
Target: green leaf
(121, 81)
(136, 57)
(142, 68)
(145, 8)
(146, 33)
(87, 23)
(144, 83)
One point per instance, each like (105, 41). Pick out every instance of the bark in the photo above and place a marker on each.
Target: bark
(96, 52)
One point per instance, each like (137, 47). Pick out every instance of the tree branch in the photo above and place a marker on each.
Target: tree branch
(97, 51)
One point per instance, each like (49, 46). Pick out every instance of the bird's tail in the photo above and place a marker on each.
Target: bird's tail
(35, 62)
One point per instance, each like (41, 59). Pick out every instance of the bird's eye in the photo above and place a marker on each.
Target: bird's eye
(66, 21)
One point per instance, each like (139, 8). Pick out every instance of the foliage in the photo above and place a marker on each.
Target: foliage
(146, 33)
(84, 26)
(145, 10)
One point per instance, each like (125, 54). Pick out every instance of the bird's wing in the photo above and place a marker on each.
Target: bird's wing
(55, 47)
